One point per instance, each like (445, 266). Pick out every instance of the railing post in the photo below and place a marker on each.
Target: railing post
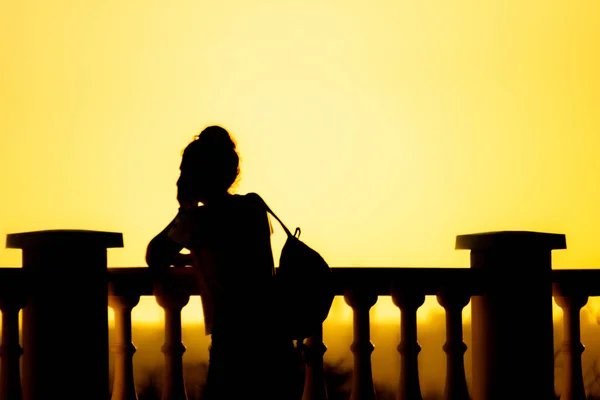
(314, 381)
(12, 300)
(453, 302)
(408, 300)
(361, 300)
(512, 333)
(571, 300)
(66, 316)
(172, 296)
(123, 349)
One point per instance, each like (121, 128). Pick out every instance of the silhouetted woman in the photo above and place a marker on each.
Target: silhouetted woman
(229, 238)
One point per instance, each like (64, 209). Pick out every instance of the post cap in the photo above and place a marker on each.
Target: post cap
(511, 240)
(63, 238)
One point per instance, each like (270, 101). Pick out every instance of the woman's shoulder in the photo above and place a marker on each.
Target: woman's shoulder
(249, 200)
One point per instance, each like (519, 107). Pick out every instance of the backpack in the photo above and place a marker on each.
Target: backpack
(303, 286)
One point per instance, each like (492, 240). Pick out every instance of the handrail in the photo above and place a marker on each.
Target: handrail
(380, 280)
(429, 279)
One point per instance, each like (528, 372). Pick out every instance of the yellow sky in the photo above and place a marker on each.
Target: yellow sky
(382, 128)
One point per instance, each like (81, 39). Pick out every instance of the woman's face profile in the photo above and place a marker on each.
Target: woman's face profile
(188, 190)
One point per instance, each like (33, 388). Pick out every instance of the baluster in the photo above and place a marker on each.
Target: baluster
(409, 301)
(314, 382)
(172, 300)
(10, 350)
(123, 349)
(572, 346)
(361, 302)
(456, 382)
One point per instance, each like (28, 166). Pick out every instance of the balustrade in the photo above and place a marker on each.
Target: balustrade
(21, 288)
(12, 300)
(172, 295)
(122, 300)
(361, 299)
(454, 300)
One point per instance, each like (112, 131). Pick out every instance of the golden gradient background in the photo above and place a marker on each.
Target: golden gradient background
(382, 128)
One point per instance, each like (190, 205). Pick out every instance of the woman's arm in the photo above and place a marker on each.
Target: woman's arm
(162, 250)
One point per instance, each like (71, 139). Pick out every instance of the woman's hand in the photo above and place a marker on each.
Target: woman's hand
(186, 195)
(187, 204)
(186, 201)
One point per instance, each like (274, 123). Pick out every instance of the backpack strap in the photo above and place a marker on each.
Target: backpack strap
(268, 209)
(287, 231)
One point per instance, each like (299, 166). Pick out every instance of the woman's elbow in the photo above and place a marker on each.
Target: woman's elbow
(153, 258)
(149, 259)
(161, 251)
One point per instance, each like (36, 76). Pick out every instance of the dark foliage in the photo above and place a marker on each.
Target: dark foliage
(337, 380)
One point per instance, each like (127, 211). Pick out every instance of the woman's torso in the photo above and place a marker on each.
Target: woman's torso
(234, 262)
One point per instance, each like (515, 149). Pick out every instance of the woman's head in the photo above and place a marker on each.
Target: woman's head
(209, 165)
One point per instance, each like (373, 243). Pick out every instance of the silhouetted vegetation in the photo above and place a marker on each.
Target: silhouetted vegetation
(338, 381)
(150, 389)
(149, 359)
(591, 380)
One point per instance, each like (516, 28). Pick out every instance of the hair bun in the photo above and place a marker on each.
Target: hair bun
(213, 159)
(216, 138)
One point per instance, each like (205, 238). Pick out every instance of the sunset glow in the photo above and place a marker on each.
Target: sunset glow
(382, 128)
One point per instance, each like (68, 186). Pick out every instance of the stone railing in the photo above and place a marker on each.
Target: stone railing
(63, 285)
